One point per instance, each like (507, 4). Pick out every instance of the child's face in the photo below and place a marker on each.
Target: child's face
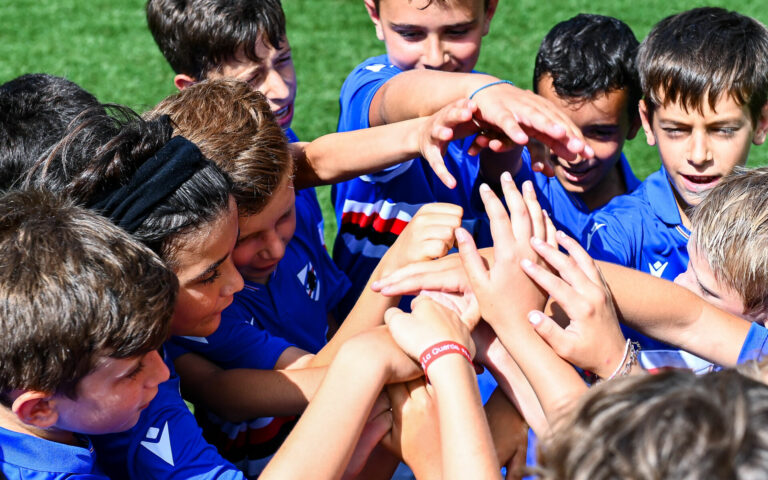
(111, 398)
(274, 76)
(207, 276)
(700, 279)
(699, 149)
(441, 36)
(265, 235)
(605, 122)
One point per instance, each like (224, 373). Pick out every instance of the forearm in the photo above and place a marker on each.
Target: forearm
(243, 394)
(467, 446)
(418, 93)
(554, 380)
(673, 314)
(338, 157)
(323, 440)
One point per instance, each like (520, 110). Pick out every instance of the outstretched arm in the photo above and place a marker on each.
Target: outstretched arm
(338, 157)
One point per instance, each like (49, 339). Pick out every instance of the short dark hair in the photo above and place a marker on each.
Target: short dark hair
(234, 126)
(73, 288)
(705, 53)
(197, 36)
(35, 110)
(671, 425)
(589, 55)
(100, 153)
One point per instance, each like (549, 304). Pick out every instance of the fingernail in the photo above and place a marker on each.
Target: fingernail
(375, 285)
(561, 234)
(527, 186)
(536, 241)
(506, 176)
(534, 318)
(485, 188)
(461, 235)
(545, 213)
(526, 264)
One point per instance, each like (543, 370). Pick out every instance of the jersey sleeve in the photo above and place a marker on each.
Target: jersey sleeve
(235, 344)
(755, 346)
(359, 89)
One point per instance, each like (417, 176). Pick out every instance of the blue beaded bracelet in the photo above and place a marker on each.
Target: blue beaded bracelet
(490, 85)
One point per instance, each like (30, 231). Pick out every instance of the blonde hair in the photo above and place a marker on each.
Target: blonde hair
(730, 227)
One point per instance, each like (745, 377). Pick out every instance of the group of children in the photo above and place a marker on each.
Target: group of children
(178, 256)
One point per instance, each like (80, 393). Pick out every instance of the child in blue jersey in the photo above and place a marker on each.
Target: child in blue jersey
(703, 122)
(432, 48)
(291, 284)
(167, 195)
(586, 66)
(85, 307)
(704, 74)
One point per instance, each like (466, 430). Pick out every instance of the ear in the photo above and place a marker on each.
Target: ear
(645, 118)
(37, 409)
(489, 12)
(762, 126)
(183, 81)
(371, 7)
(634, 127)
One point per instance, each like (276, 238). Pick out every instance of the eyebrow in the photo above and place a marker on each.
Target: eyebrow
(444, 27)
(211, 268)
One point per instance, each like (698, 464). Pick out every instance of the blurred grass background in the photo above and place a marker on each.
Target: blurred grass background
(105, 46)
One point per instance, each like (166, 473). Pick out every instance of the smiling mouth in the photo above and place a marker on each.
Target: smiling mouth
(577, 174)
(284, 113)
(701, 179)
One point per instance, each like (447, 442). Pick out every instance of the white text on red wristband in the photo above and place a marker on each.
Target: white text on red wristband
(438, 350)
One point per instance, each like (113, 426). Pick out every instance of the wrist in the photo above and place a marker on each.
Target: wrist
(488, 85)
(440, 350)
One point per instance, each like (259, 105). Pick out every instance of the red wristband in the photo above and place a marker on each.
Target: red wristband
(438, 350)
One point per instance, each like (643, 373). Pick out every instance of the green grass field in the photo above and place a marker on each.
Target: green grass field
(105, 46)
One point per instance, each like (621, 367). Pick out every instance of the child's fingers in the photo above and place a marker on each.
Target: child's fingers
(501, 228)
(580, 256)
(538, 226)
(432, 248)
(551, 232)
(551, 332)
(434, 156)
(560, 290)
(569, 270)
(518, 211)
(475, 268)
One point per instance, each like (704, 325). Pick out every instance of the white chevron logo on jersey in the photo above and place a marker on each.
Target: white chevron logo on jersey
(595, 228)
(657, 269)
(161, 448)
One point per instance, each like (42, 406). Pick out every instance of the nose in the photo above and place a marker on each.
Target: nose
(234, 281)
(157, 366)
(433, 57)
(699, 152)
(275, 88)
(683, 280)
(274, 247)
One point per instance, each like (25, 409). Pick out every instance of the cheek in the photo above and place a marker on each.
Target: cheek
(191, 307)
(243, 253)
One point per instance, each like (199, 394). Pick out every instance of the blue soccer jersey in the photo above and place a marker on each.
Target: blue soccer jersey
(26, 457)
(305, 286)
(755, 346)
(372, 210)
(166, 443)
(567, 210)
(644, 231)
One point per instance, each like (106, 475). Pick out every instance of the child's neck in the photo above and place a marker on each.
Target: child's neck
(683, 208)
(612, 185)
(9, 421)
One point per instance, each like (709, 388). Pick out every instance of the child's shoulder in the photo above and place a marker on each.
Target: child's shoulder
(20, 458)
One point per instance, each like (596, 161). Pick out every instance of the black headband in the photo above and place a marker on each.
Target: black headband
(156, 179)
